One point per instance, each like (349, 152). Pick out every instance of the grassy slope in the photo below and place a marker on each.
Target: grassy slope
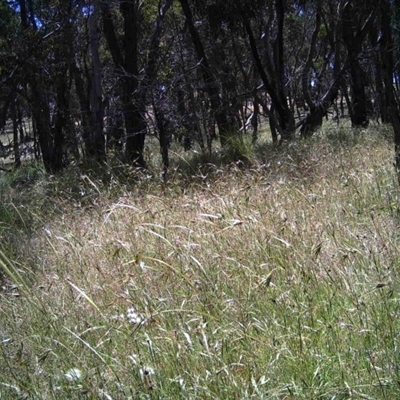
(277, 281)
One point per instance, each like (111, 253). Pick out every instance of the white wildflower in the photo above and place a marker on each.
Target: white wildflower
(73, 374)
(133, 317)
(142, 265)
(117, 317)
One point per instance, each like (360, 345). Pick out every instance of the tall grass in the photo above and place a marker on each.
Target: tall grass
(275, 281)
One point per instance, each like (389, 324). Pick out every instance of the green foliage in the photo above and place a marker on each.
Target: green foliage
(239, 149)
(150, 10)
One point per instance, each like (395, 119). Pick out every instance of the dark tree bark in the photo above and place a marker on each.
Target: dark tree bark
(22, 132)
(355, 28)
(254, 119)
(386, 50)
(40, 107)
(62, 96)
(84, 103)
(319, 108)
(314, 118)
(14, 117)
(134, 109)
(225, 128)
(41, 117)
(133, 92)
(63, 57)
(270, 112)
(380, 103)
(48, 83)
(126, 64)
(188, 125)
(163, 132)
(221, 47)
(8, 98)
(96, 148)
(274, 83)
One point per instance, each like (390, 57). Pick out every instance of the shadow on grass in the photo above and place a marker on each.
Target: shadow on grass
(87, 185)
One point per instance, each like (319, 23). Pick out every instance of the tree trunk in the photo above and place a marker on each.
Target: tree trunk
(126, 65)
(41, 116)
(14, 117)
(285, 118)
(254, 119)
(353, 33)
(225, 128)
(189, 126)
(63, 57)
(386, 50)
(41, 109)
(62, 112)
(318, 109)
(133, 96)
(359, 100)
(96, 148)
(22, 133)
(163, 132)
(134, 109)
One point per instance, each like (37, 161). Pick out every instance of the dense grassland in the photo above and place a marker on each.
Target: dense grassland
(277, 278)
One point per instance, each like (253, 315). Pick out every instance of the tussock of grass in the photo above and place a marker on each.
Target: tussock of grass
(278, 281)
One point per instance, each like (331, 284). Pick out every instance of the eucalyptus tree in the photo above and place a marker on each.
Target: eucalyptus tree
(324, 65)
(135, 65)
(219, 109)
(42, 55)
(297, 37)
(357, 22)
(10, 35)
(48, 35)
(96, 145)
(248, 37)
(10, 100)
(269, 59)
(191, 109)
(387, 9)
